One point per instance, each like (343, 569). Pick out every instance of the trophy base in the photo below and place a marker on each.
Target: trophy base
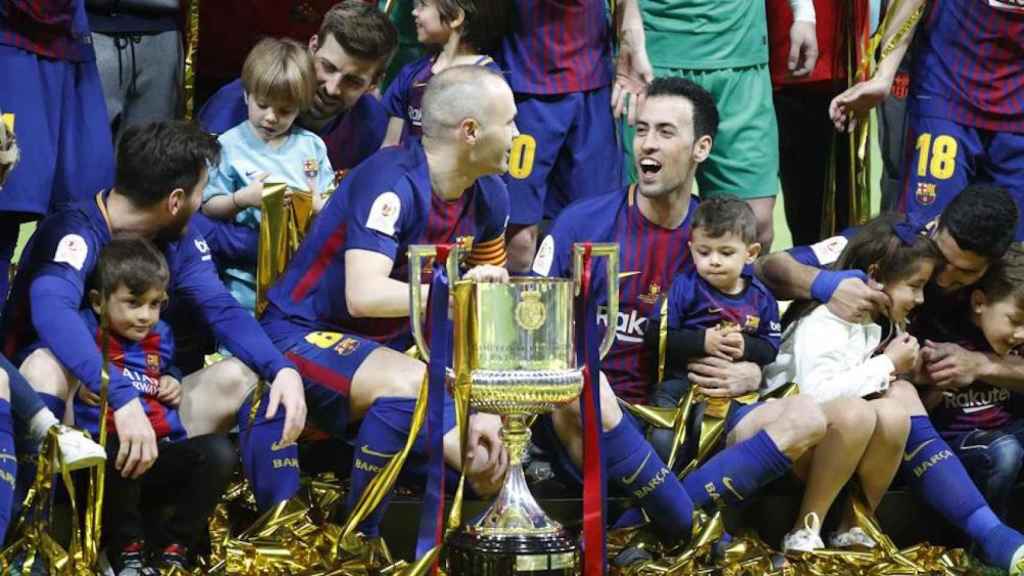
(489, 555)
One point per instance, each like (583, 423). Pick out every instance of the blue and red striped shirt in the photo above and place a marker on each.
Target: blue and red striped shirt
(384, 205)
(55, 29)
(650, 258)
(141, 364)
(558, 47)
(969, 65)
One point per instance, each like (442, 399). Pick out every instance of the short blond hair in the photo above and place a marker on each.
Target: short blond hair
(280, 72)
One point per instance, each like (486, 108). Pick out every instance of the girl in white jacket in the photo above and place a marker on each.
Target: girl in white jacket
(849, 368)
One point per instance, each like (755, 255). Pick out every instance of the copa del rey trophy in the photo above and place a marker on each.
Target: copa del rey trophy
(514, 352)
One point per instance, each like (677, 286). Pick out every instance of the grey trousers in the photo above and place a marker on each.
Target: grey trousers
(142, 77)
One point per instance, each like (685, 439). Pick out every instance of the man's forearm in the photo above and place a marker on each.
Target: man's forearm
(785, 277)
(1003, 371)
(383, 298)
(899, 17)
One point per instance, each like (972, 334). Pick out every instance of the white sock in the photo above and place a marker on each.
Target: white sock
(41, 423)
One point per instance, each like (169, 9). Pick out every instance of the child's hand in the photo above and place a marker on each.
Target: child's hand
(170, 390)
(903, 351)
(318, 197)
(734, 344)
(252, 195)
(718, 342)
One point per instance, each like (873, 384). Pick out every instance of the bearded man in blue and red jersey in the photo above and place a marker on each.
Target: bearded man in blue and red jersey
(650, 221)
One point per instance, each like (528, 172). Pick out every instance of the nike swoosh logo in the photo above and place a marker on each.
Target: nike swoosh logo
(910, 455)
(714, 310)
(727, 482)
(366, 450)
(251, 173)
(279, 446)
(629, 479)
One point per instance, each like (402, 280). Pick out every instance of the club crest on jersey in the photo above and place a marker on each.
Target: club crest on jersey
(900, 86)
(653, 292)
(153, 361)
(310, 168)
(925, 193)
(346, 346)
(751, 323)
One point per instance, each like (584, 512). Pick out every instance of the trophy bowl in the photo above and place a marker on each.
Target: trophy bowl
(514, 355)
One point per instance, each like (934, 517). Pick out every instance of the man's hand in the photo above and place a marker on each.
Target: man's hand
(287, 391)
(633, 73)
(855, 103)
(170, 390)
(487, 273)
(137, 450)
(803, 48)
(722, 378)
(487, 459)
(949, 365)
(854, 301)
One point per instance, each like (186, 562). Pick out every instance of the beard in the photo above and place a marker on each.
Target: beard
(175, 229)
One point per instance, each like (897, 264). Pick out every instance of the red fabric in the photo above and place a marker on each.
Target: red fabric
(593, 502)
(49, 28)
(831, 17)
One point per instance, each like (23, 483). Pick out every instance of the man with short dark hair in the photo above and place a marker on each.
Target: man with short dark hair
(350, 53)
(974, 229)
(161, 172)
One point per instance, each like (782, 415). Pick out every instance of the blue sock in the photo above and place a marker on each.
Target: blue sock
(939, 478)
(637, 468)
(273, 472)
(736, 473)
(382, 434)
(8, 467)
(54, 404)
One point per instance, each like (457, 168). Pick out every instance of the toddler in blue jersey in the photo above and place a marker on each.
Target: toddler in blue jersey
(456, 33)
(280, 82)
(716, 307)
(190, 473)
(977, 420)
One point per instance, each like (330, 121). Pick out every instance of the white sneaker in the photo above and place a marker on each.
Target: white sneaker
(806, 539)
(78, 450)
(854, 537)
(1017, 563)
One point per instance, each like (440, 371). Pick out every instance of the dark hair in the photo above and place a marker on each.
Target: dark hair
(132, 261)
(877, 243)
(705, 113)
(485, 22)
(1005, 277)
(722, 215)
(362, 30)
(982, 219)
(155, 159)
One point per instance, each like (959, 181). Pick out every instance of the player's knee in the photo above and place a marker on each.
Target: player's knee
(611, 414)
(403, 383)
(905, 394)
(854, 418)
(1006, 455)
(806, 421)
(45, 374)
(893, 421)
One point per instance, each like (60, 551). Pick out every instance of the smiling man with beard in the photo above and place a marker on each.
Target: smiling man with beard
(161, 172)
(650, 221)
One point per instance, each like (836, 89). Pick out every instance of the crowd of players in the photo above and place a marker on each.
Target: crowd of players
(902, 336)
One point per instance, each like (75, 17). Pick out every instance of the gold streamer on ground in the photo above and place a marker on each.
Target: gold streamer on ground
(191, 55)
(282, 228)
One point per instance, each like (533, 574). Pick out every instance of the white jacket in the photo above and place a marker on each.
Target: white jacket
(829, 358)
